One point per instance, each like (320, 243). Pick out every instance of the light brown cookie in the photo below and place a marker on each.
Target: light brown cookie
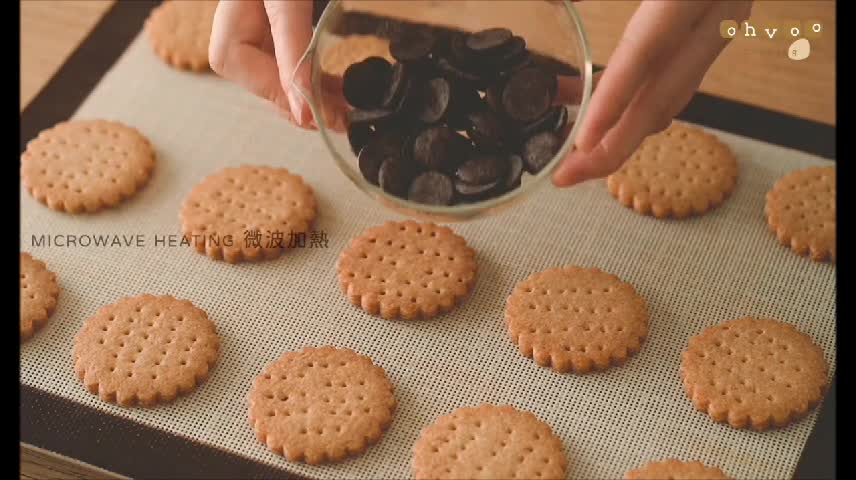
(679, 172)
(672, 469)
(247, 213)
(488, 442)
(179, 31)
(39, 292)
(321, 404)
(352, 49)
(407, 270)
(145, 350)
(754, 373)
(576, 319)
(86, 165)
(801, 212)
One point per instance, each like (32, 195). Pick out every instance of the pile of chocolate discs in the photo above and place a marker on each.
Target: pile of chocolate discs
(458, 118)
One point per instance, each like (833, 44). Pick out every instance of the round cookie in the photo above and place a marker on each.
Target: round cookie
(754, 373)
(86, 165)
(321, 404)
(407, 270)
(488, 442)
(678, 172)
(39, 292)
(145, 350)
(675, 470)
(353, 49)
(576, 319)
(801, 212)
(179, 31)
(247, 213)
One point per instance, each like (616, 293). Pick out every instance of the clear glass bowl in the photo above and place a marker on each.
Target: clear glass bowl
(552, 29)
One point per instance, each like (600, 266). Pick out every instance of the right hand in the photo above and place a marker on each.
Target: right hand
(258, 45)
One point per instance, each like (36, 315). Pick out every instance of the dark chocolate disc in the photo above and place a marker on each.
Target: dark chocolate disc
(465, 100)
(516, 60)
(485, 129)
(487, 41)
(481, 168)
(394, 177)
(455, 74)
(528, 94)
(399, 78)
(493, 97)
(512, 52)
(412, 45)
(515, 172)
(359, 135)
(377, 117)
(460, 53)
(474, 193)
(379, 149)
(365, 82)
(539, 150)
(434, 100)
(435, 148)
(409, 104)
(554, 120)
(432, 188)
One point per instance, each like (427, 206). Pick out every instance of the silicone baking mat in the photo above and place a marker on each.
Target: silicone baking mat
(693, 273)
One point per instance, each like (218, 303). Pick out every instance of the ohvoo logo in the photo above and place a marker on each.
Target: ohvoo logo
(801, 32)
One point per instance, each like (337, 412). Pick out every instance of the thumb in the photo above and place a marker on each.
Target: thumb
(291, 30)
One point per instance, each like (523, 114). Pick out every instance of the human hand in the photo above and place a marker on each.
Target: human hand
(666, 49)
(258, 45)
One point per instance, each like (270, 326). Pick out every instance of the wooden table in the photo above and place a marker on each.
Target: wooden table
(756, 71)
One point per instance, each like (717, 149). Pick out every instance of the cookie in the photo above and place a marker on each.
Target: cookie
(353, 49)
(247, 213)
(754, 373)
(576, 319)
(179, 30)
(801, 212)
(678, 172)
(407, 270)
(86, 165)
(488, 442)
(145, 350)
(321, 405)
(675, 470)
(39, 292)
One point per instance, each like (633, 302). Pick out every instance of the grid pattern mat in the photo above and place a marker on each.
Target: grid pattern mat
(693, 273)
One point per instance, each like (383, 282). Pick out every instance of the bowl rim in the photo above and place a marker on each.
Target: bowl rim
(447, 212)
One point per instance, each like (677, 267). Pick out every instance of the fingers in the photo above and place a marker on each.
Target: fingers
(578, 166)
(238, 31)
(291, 29)
(659, 99)
(654, 32)
(667, 94)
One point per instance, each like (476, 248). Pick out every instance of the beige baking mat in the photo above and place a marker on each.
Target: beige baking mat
(693, 273)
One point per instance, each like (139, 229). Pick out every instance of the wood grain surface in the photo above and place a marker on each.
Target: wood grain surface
(50, 31)
(38, 464)
(756, 71)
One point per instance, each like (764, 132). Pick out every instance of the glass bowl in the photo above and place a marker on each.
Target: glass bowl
(553, 32)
